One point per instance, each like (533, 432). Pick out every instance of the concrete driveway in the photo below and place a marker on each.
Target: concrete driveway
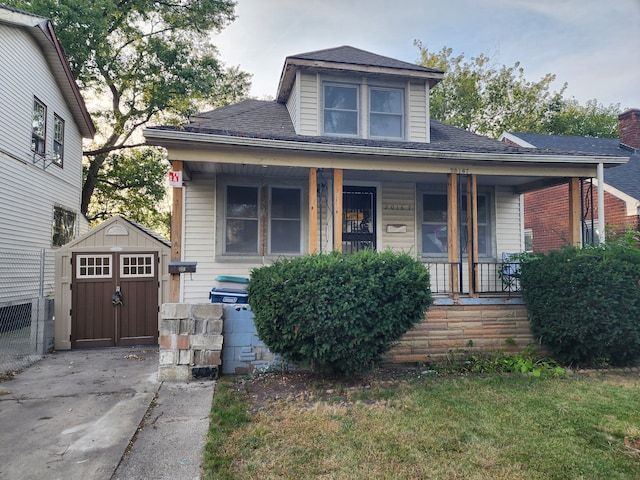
(73, 415)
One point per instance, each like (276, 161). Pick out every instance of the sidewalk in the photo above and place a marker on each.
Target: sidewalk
(74, 414)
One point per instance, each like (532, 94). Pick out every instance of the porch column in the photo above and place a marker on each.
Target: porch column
(600, 177)
(176, 235)
(472, 237)
(575, 220)
(337, 209)
(313, 210)
(453, 243)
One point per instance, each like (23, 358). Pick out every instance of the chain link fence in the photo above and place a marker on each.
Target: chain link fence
(26, 316)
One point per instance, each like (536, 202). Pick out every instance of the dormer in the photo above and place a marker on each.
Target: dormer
(347, 92)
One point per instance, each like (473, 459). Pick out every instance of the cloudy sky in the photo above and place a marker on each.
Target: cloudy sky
(593, 45)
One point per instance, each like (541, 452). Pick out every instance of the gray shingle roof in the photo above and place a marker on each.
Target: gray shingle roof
(271, 120)
(355, 56)
(625, 178)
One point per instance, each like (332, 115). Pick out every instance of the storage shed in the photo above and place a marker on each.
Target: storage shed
(110, 284)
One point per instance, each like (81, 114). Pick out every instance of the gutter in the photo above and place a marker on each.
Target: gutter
(163, 137)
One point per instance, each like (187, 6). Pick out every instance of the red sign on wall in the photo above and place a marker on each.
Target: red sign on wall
(175, 179)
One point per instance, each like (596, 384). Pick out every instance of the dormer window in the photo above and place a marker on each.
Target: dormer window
(340, 109)
(386, 112)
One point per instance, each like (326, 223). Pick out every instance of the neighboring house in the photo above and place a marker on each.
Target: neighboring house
(347, 158)
(43, 120)
(546, 210)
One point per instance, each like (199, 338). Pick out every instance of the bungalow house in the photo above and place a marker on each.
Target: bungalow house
(43, 120)
(545, 211)
(346, 158)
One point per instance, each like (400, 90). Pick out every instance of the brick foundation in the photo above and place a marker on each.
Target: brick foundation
(449, 328)
(190, 341)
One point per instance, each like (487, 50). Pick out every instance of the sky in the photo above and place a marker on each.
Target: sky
(592, 45)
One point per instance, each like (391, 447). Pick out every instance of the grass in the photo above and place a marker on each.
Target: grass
(415, 427)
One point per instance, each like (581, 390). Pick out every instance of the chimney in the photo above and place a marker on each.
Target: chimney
(629, 124)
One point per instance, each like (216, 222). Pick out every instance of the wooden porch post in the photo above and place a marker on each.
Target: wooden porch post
(453, 243)
(472, 237)
(176, 235)
(575, 219)
(337, 209)
(313, 210)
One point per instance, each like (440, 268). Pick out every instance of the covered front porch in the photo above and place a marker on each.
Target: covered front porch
(465, 227)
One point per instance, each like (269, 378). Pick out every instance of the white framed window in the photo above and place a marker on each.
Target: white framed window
(94, 266)
(58, 140)
(434, 224)
(64, 226)
(38, 127)
(137, 265)
(528, 240)
(262, 220)
(341, 109)
(285, 222)
(241, 219)
(386, 112)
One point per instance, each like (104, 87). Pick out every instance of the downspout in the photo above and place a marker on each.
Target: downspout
(600, 174)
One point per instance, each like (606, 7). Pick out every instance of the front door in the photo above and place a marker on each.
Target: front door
(114, 300)
(358, 218)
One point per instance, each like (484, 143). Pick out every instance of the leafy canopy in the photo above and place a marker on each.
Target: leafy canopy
(478, 95)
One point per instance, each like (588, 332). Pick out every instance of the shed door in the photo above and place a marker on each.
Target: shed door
(114, 300)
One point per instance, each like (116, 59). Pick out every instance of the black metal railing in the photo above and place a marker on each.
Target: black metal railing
(487, 277)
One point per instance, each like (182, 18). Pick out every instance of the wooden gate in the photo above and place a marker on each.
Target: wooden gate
(114, 299)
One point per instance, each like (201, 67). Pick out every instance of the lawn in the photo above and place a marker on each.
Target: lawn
(408, 425)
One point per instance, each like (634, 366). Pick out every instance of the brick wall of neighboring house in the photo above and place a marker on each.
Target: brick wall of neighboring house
(546, 213)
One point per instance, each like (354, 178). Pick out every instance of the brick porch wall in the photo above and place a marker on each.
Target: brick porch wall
(452, 327)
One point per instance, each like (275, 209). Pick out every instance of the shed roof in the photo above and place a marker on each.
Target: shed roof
(116, 224)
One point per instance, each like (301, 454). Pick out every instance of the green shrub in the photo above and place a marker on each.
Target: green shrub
(336, 312)
(584, 304)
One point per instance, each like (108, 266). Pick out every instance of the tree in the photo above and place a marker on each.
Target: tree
(590, 120)
(479, 96)
(139, 62)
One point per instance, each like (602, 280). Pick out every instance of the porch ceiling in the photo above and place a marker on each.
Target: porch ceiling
(519, 183)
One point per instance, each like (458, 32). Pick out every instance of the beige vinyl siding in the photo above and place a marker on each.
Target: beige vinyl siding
(28, 198)
(418, 112)
(508, 222)
(199, 238)
(398, 208)
(293, 104)
(309, 104)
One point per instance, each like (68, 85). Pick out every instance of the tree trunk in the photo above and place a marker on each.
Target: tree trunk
(91, 181)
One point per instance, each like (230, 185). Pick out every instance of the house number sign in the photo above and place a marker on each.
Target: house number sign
(392, 206)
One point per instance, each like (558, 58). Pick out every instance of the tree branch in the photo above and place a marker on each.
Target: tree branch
(113, 148)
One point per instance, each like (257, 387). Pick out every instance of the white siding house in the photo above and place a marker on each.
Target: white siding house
(43, 121)
(347, 158)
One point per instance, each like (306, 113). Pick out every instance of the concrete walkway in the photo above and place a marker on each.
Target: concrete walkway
(101, 414)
